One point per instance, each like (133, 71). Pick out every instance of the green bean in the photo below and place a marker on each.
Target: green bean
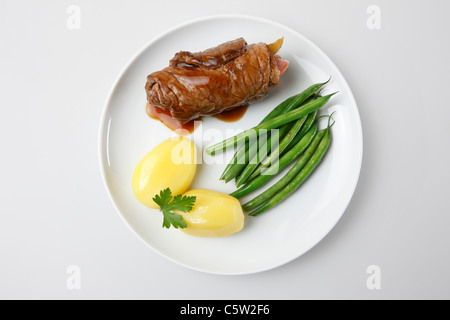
(300, 177)
(280, 109)
(305, 128)
(308, 123)
(280, 184)
(284, 161)
(263, 148)
(257, 151)
(237, 168)
(241, 151)
(238, 162)
(267, 158)
(272, 124)
(289, 104)
(284, 143)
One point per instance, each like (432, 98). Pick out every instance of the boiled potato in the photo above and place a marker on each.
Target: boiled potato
(214, 214)
(172, 164)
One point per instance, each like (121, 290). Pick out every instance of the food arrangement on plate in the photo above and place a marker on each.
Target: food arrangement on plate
(212, 82)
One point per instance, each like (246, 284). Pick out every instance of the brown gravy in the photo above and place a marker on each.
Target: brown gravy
(166, 118)
(185, 129)
(232, 115)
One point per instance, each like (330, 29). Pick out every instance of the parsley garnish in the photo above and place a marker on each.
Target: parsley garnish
(179, 203)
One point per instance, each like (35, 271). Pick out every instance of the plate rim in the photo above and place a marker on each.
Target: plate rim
(113, 88)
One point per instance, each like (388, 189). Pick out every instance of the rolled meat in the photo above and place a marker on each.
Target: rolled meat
(205, 83)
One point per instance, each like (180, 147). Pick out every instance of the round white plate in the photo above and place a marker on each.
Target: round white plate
(275, 237)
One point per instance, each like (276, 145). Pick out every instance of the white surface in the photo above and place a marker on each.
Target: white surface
(55, 211)
(288, 230)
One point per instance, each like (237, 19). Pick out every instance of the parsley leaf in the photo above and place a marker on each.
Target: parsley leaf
(167, 205)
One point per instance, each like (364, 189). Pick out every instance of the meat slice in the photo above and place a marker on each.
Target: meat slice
(218, 79)
(212, 58)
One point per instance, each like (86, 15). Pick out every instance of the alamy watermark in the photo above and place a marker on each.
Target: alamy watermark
(73, 21)
(73, 281)
(261, 145)
(374, 18)
(374, 280)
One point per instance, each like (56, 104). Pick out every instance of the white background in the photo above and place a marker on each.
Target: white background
(55, 211)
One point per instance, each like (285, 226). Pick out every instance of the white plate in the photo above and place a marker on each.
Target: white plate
(277, 236)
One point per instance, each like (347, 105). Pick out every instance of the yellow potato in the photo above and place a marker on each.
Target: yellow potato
(214, 214)
(172, 164)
